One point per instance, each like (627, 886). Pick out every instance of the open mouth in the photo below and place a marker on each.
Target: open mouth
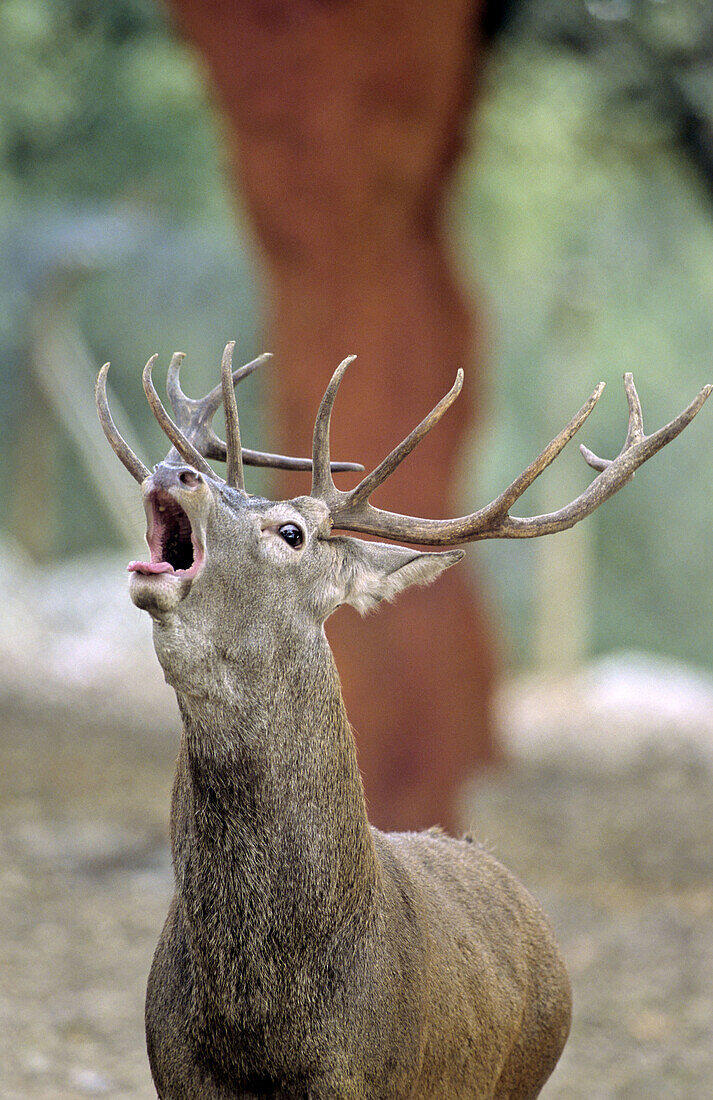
(171, 540)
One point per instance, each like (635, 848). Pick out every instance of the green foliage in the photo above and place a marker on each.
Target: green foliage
(585, 210)
(111, 170)
(97, 102)
(595, 242)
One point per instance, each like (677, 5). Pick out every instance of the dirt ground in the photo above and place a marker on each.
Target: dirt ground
(621, 858)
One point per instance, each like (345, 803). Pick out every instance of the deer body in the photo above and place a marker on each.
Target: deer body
(307, 956)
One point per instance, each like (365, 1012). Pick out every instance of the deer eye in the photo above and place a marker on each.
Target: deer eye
(292, 535)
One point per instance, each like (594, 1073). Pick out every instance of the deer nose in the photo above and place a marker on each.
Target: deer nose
(179, 477)
(190, 479)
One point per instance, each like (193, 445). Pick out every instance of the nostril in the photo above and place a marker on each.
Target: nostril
(189, 478)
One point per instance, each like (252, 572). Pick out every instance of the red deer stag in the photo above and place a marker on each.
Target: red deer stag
(306, 954)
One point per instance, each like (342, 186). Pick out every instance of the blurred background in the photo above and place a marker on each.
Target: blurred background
(525, 189)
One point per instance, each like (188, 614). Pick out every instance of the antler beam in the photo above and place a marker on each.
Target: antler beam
(351, 511)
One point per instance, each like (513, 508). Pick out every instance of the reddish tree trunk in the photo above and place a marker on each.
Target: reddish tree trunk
(346, 120)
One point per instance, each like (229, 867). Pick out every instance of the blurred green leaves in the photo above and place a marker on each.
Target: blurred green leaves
(99, 102)
(585, 210)
(592, 230)
(111, 180)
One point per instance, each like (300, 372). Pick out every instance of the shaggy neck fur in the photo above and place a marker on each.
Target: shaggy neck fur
(272, 852)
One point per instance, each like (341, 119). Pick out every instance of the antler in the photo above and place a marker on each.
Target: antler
(191, 433)
(118, 444)
(351, 511)
(194, 417)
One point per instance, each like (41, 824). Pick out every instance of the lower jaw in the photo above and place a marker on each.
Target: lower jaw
(158, 593)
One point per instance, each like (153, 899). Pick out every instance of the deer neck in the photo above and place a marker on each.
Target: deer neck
(271, 844)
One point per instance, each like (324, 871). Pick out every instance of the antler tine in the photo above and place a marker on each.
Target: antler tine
(385, 468)
(194, 419)
(323, 486)
(194, 416)
(503, 503)
(637, 446)
(184, 447)
(234, 456)
(494, 520)
(613, 476)
(118, 444)
(179, 402)
(352, 507)
(634, 432)
(284, 462)
(212, 401)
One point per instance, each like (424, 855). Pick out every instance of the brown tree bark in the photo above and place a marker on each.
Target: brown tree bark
(346, 120)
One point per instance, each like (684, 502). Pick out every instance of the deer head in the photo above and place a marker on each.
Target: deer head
(224, 562)
(214, 546)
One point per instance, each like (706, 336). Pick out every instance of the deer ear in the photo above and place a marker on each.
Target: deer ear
(369, 572)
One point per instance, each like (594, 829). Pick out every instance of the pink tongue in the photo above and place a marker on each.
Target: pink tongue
(148, 567)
